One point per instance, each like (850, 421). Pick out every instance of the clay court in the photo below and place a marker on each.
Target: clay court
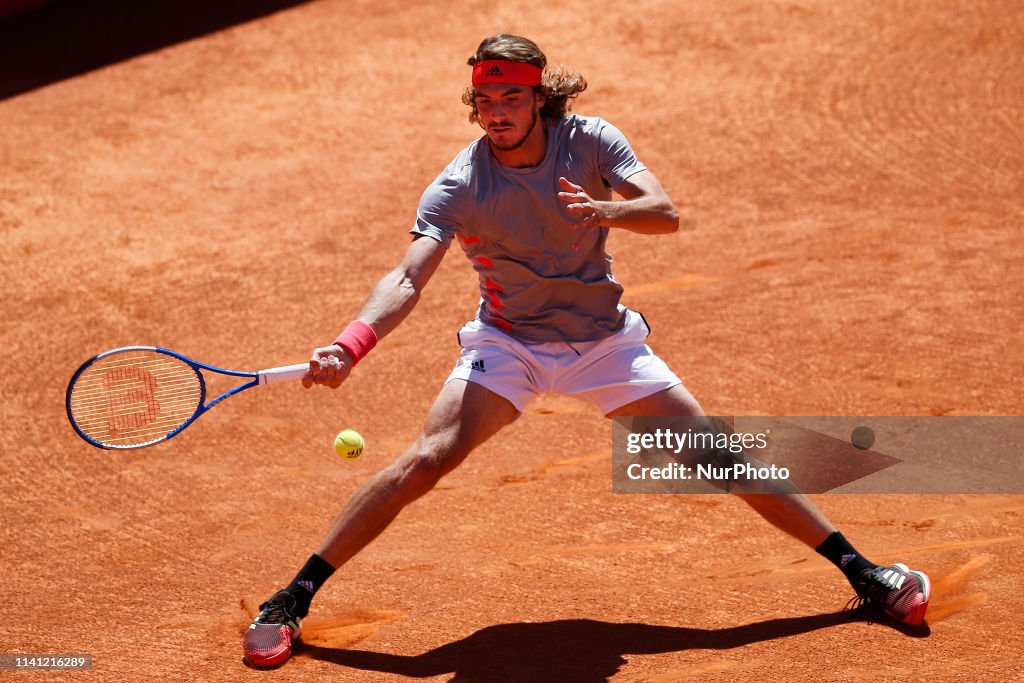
(851, 179)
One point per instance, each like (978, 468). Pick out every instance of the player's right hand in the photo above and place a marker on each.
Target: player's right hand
(329, 366)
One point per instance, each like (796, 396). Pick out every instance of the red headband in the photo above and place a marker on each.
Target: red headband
(502, 71)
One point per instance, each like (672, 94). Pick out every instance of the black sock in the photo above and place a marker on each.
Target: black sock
(837, 550)
(308, 581)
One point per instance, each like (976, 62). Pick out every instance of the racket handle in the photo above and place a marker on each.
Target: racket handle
(285, 373)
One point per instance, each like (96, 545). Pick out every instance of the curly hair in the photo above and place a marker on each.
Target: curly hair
(559, 86)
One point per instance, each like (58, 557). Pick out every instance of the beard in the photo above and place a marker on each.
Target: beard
(519, 143)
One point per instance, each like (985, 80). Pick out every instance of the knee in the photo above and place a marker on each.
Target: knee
(719, 455)
(419, 468)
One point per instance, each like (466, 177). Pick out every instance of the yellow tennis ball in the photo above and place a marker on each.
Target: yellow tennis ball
(348, 444)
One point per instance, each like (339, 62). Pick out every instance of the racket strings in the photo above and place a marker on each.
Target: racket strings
(134, 397)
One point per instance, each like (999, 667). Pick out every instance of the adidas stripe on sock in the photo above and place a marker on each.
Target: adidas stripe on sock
(308, 581)
(837, 550)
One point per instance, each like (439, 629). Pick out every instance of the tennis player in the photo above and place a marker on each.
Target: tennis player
(530, 204)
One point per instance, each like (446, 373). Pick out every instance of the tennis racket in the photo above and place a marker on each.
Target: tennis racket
(138, 396)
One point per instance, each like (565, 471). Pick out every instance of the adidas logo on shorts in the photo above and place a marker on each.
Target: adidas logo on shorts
(477, 365)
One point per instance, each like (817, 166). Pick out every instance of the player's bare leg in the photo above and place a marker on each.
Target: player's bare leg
(901, 593)
(463, 416)
(785, 507)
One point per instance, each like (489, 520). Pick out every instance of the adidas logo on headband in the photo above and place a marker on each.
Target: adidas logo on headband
(505, 71)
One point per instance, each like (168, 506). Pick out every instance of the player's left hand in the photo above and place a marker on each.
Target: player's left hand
(585, 209)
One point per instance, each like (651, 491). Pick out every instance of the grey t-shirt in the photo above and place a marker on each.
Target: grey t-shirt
(519, 237)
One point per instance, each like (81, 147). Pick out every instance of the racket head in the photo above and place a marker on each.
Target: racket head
(134, 396)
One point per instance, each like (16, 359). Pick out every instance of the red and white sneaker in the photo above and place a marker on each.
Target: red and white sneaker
(268, 640)
(899, 592)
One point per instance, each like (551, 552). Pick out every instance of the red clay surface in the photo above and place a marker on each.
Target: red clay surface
(851, 178)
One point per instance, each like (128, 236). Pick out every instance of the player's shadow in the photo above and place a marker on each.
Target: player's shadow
(570, 651)
(70, 37)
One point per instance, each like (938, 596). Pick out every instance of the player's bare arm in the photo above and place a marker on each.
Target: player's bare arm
(391, 300)
(645, 208)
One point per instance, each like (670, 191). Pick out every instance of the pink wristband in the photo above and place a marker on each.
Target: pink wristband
(358, 339)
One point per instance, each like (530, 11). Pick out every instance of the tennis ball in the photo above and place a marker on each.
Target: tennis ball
(348, 444)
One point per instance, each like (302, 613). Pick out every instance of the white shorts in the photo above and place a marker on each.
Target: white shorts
(610, 372)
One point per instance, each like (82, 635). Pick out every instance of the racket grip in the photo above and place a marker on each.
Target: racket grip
(285, 373)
